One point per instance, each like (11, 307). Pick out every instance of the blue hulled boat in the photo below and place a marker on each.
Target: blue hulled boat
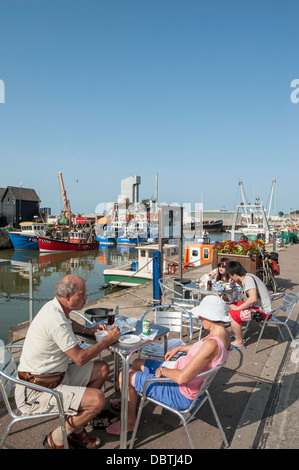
(21, 241)
(27, 238)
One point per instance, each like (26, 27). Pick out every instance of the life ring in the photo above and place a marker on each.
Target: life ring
(173, 267)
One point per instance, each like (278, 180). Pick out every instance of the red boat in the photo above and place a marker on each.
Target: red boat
(76, 242)
(76, 239)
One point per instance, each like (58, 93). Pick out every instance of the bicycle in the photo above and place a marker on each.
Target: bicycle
(265, 273)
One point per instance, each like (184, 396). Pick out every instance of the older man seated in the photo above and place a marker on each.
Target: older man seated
(49, 345)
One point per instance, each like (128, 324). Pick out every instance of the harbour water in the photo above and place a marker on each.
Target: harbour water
(49, 268)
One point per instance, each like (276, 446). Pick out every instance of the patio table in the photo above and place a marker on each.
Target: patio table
(193, 292)
(124, 352)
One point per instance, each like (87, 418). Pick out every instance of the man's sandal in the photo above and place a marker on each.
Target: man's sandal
(84, 440)
(50, 444)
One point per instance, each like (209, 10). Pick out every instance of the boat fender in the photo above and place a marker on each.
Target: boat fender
(188, 266)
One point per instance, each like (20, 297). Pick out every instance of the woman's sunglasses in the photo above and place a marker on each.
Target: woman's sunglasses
(221, 265)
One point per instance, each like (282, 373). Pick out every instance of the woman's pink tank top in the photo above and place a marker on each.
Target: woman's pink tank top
(190, 389)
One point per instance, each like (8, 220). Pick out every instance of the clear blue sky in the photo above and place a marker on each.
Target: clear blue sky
(196, 91)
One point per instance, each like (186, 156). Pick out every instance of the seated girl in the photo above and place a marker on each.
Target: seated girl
(219, 273)
(201, 356)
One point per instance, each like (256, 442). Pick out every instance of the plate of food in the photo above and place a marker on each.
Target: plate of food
(218, 287)
(123, 325)
(129, 339)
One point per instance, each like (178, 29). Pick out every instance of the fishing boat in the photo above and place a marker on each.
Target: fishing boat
(27, 237)
(106, 228)
(107, 236)
(76, 240)
(130, 237)
(73, 233)
(140, 271)
(255, 221)
(213, 225)
(135, 230)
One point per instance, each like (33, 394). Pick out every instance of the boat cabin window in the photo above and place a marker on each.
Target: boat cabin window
(143, 253)
(194, 253)
(206, 253)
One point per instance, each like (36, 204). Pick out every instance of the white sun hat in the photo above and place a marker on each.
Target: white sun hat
(212, 308)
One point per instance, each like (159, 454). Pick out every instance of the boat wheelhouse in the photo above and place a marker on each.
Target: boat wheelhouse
(140, 271)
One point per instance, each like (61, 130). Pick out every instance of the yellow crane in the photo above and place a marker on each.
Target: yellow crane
(67, 206)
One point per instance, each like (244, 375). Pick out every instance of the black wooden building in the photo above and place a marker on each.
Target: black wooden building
(18, 205)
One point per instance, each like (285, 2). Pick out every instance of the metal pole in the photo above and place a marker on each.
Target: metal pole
(30, 292)
(156, 277)
(274, 241)
(181, 245)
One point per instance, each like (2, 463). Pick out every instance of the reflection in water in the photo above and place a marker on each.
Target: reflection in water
(48, 268)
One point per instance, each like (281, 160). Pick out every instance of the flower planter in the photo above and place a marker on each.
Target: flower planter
(251, 265)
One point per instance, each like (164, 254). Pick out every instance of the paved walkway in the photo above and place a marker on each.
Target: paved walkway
(256, 395)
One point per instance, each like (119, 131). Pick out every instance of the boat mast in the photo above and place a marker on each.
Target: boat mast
(67, 208)
(244, 201)
(271, 197)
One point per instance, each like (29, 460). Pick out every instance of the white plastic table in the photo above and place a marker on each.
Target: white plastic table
(124, 352)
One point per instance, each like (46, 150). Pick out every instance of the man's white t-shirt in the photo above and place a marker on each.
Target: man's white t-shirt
(50, 334)
(264, 300)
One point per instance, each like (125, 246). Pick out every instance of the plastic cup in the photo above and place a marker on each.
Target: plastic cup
(99, 335)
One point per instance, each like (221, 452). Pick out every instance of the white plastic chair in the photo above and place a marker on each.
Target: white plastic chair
(289, 301)
(176, 319)
(174, 294)
(8, 380)
(201, 397)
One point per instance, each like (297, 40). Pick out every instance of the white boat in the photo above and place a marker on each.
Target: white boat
(257, 222)
(140, 271)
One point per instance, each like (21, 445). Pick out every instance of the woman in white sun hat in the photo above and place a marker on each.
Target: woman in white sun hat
(201, 356)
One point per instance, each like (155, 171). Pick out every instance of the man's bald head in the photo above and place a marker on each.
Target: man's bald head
(68, 284)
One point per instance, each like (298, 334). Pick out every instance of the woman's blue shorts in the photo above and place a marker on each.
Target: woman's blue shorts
(167, 393)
